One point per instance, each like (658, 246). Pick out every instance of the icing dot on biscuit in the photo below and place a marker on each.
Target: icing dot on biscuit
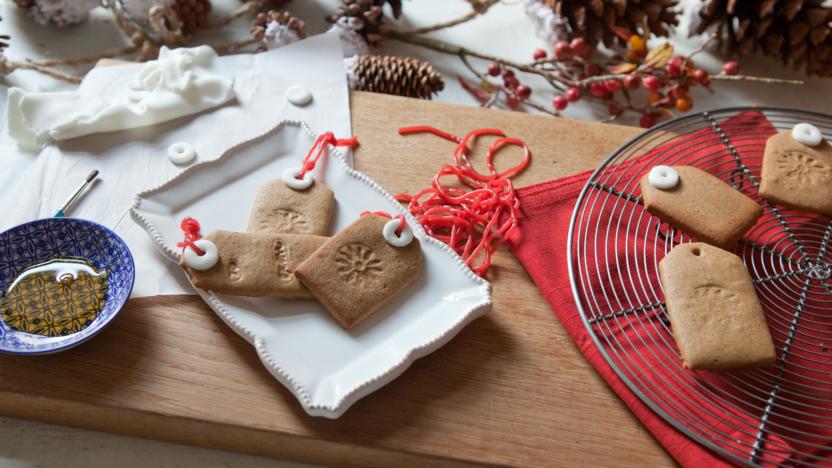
(290, 178)
(663, 177)
(202, 262)
(807, 134)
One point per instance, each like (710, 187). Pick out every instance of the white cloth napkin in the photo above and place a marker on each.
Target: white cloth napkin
(180, 82)
(34, 185)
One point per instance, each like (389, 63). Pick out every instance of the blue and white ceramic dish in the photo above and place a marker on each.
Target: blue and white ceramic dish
(43, 240)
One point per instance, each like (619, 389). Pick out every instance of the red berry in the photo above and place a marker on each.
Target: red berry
(494, 69)
(593, 69)
(652, 83)
(678, 91)
(563, 51)
(632, 81)
(508, 73)
(612, 86)
(539, 54)
(731, 68)
(573, 94)
(524, 91)
(673, 69)
(598, 90)
(702, 77)
(614, 108)
(677, 61)
(647, 121)
(511, 82)
(512, 101)
(578, 45)
(560, 102)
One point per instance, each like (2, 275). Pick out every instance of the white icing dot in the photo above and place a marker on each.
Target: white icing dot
(181, 153)
(290, 178)
(202, 262)
(807, 134)
(663, 177)
(299, 95)
(390, 236)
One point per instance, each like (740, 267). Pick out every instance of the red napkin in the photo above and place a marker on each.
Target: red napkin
(541, 245)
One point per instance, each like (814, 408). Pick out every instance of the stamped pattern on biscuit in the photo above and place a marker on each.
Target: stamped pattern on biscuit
(802, 167)
(234, 273)
(357, 264)
(284, 220)
(281, 256)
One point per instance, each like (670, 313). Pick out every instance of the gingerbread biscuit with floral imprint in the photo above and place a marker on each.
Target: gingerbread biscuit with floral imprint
(281, 209)
(255, 264)
(715, 315)
(798, 175)
(357, 271)
(700, 204)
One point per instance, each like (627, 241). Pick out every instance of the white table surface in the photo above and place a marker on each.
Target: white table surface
(504, 31)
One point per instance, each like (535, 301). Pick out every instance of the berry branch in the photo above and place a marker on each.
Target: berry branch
(577, 71)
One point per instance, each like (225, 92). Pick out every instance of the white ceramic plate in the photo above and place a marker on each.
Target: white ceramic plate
(326, 368)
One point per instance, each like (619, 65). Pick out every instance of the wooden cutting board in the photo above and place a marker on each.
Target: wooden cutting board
(511, 388)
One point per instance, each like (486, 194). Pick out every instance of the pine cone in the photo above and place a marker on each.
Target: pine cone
(401, 76)
(192, 13)
(798, 32)
(276, 29)
(365, 17)
(611, 21)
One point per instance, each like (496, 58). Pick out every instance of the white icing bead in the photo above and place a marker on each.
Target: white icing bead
(181, 153)
(299, 95)
(290, 179)
(807, 134)
(663, 177)
(202, 262)
(390, 236)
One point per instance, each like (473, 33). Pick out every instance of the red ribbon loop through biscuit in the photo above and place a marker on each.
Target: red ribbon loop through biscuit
(477, 220)
(190, 227)
(385, 214)
(323, 139)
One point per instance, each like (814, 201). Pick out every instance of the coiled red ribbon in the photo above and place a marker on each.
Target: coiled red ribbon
(477, 220)
(190, 227)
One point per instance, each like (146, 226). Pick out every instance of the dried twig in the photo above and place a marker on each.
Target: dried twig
(477, 9)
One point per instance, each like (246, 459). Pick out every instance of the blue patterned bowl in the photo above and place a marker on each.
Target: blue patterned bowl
(43, 240)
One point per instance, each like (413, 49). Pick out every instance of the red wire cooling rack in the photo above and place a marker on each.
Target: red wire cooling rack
(780, 414)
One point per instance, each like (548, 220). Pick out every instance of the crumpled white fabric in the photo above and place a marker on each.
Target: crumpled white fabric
(180, 82)
(131, 161)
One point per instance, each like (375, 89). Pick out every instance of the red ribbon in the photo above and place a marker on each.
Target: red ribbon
(385, 214)
(477, 220)
(190, 227)
(323, 139)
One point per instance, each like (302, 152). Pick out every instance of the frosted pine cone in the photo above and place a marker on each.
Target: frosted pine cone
(58, 12)
(548, 26)
(276, 29)
(795, 32)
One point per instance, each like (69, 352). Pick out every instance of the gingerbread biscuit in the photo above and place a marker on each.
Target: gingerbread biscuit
(256, 264)
(281, 209)
(701, 205)
(356, 272)
(797, 175)
(717, 320)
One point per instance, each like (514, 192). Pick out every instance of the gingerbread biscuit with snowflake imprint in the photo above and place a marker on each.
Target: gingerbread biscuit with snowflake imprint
(256, 264)
(717, 320)
(700, 204)
(279, 208)
(797, 175)
(357, 271)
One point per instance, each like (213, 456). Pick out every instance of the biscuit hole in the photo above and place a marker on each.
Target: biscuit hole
(696, 251)
(663, 173)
